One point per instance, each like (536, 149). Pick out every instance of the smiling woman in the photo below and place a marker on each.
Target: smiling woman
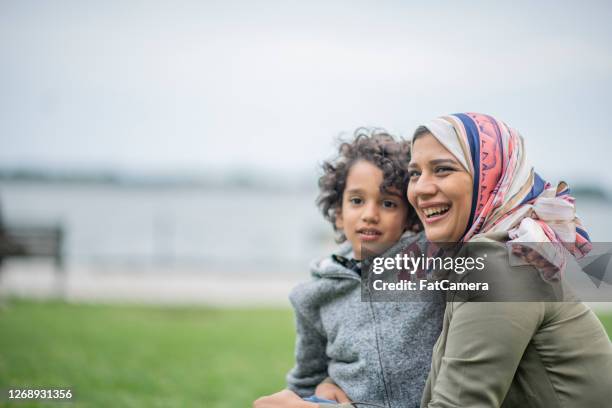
(470, 182)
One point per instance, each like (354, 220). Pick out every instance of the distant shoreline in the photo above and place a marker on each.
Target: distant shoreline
(238, 180)
(213, 181)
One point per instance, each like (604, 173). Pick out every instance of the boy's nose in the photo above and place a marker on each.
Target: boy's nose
(370, 213)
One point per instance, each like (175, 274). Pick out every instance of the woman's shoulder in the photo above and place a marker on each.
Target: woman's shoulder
(509, 278)
(492, 240)
(491, 250)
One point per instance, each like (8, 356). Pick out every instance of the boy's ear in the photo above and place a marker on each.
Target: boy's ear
(407, 224)
(339, 221)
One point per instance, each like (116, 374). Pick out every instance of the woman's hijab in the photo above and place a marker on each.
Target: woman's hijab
(508, 195)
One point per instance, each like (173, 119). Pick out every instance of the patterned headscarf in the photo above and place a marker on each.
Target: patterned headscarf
(508, 195)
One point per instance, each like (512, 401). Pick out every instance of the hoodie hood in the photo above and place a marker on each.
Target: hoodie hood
(328, 268)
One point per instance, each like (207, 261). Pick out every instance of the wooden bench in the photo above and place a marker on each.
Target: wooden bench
(34, 241)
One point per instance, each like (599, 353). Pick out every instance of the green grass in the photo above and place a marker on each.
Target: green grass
(137, 356)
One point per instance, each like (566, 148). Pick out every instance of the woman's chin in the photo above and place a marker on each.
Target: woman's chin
(437, 237)
(433, 236)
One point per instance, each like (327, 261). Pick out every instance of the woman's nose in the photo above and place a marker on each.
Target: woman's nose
(425, 185)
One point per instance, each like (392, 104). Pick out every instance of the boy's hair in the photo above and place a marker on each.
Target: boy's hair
(375, 146)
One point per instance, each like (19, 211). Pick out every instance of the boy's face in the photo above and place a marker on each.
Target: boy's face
(369, 217)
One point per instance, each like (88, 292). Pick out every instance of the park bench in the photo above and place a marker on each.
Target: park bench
(27, 241)
(35, 241)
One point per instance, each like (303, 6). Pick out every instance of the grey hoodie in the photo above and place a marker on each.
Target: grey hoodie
(377, 352)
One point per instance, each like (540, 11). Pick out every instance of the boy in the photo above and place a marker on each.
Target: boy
(375, 352)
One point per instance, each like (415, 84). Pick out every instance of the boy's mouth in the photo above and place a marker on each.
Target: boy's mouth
(369, 234)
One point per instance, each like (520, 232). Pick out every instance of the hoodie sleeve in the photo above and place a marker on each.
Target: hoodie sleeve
(310, 356)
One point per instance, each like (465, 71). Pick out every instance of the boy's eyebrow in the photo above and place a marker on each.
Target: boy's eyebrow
(386, 192)
(393, 193)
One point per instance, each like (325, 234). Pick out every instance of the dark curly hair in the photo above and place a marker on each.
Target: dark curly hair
(378, 147)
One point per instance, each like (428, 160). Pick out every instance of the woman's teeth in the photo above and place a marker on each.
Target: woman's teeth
(433, 211)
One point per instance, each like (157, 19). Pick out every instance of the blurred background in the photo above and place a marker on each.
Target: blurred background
(167, 153)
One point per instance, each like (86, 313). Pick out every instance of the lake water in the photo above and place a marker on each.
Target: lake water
(220, 230)
(216, 230)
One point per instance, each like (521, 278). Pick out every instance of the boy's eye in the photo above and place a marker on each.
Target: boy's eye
(389, 204)
(355, 200)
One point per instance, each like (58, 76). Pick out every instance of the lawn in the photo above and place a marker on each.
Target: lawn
(137, 356)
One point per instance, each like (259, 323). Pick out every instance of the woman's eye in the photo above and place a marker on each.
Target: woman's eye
(413, 174)
(444, 169)
(355, 200)
(389, 204)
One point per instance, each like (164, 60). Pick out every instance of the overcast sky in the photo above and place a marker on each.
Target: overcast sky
(195, 85)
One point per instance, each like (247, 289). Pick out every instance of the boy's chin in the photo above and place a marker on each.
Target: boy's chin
(371, 249)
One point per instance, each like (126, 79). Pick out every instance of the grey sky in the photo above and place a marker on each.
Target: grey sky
(192, 85)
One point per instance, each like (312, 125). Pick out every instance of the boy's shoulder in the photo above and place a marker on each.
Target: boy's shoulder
(328, 277)
(328, 266)
(339, 263)
(330, 274)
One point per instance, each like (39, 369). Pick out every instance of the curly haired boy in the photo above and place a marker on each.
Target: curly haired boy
(375, 352)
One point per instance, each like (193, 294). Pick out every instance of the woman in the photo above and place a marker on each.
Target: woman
(470, 182)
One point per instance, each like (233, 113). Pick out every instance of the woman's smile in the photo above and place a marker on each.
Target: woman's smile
(434, 212)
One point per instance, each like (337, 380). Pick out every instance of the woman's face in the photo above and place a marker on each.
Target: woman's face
(440, 190)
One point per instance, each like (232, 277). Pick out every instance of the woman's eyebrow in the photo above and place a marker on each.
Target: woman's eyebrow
(443, 161)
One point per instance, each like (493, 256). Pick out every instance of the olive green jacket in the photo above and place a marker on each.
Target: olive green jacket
(519, 354)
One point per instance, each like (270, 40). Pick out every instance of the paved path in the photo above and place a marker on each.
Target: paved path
(156, 286)
(125, 285)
